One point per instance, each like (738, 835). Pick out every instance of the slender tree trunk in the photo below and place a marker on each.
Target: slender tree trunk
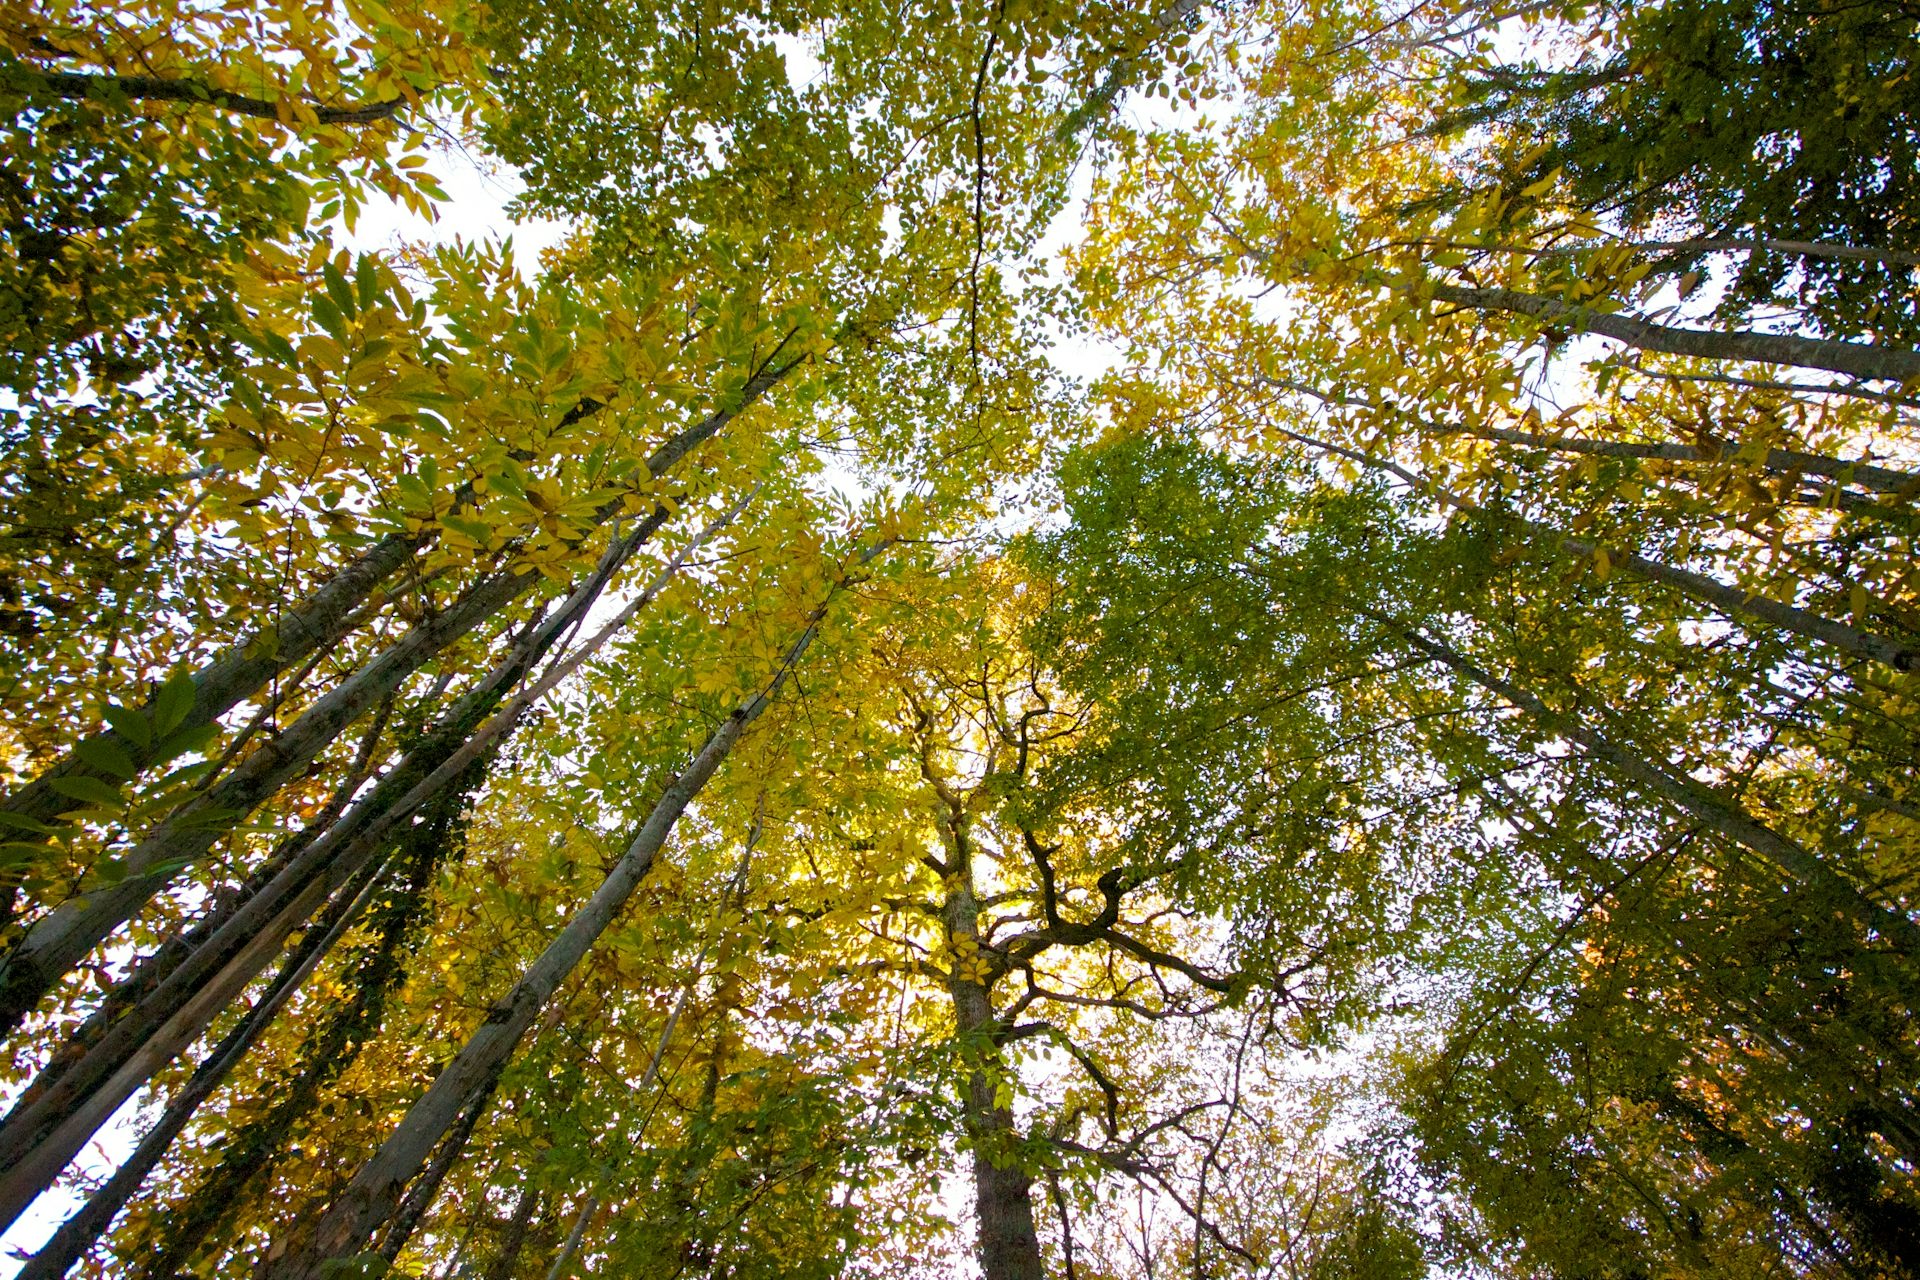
(37, 1141)
(507, 1257)
(80, 1233)
(1855, 359)
(426, 1188)
(1902, 655)
(315, 624)
(64, 1114)
(1009, 1241)
(1713, 811)
(61, 940)
(146, 974)
(344, 1228)
(381, 969)
(1903, 484)
(56, 943)
(563, 1260)
(1733, 602)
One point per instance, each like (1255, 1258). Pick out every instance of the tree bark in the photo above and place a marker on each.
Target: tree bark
(426, 1188)
(1856, 359)
(40, 1139)
(326, 1053)
(61, 940)
(1901, 655)
(507, 1257)
(100, 86)
(58, 942)
(146, 974)
(1008, 1238)
(236, 674)
(373, 1195)
(1712, 811)
(80, 1233)
(1887, 480)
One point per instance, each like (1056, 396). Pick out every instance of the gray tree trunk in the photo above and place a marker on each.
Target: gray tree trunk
(1712, 811)
(1859, 360)
(373, 1196)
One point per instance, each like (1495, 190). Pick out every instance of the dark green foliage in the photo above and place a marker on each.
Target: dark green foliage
(1783, 120)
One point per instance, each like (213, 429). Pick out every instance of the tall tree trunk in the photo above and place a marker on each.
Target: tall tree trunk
(146, 974)
(234, 675)
(80, 1233)
(63, 1115)
(1902, 655)
(1713, 811)
(372, 1197)
(63, 938)
(38, 1140)
(1009, 1241)
(378, 972)
(507, 1257)
(426, 1188)
(169, 1017)
(1857, 359)
(1887, 480)
(60, 940)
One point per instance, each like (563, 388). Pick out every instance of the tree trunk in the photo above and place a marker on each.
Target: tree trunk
(373, 1195)
(61, 940)
(80, 1233)
(1901, 655)
(146, 974)
(236, 674)
(381, 969)
(507, 1257)
(56, 943)
(426, 1188)
(62, 1117)
(1856, 359)
(1900, 484)
(1009, 1241)
(63, 1114)
(1712, 811)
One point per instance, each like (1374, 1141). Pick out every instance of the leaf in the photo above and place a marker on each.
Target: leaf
(189, 739)
(211, 816)
(328, 317)
(130, 724)
(367, 279)
(174, 701)
(338, 289)
(1540, 188)
(107, 756)
(14, 853)
(90, 790)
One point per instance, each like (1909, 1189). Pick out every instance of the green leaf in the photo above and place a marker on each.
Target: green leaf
(131, 725)
(107, 756)
(367, 279)
(13, 853)
(21, 822)
(212, 816)
(338, 289)
(90, 790)
(327, 316)
(185, 773)
(173, 702)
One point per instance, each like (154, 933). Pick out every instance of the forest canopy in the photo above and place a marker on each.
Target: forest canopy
(1269, 640)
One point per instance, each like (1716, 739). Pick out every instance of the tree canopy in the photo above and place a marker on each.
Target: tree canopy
(1234, 640)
